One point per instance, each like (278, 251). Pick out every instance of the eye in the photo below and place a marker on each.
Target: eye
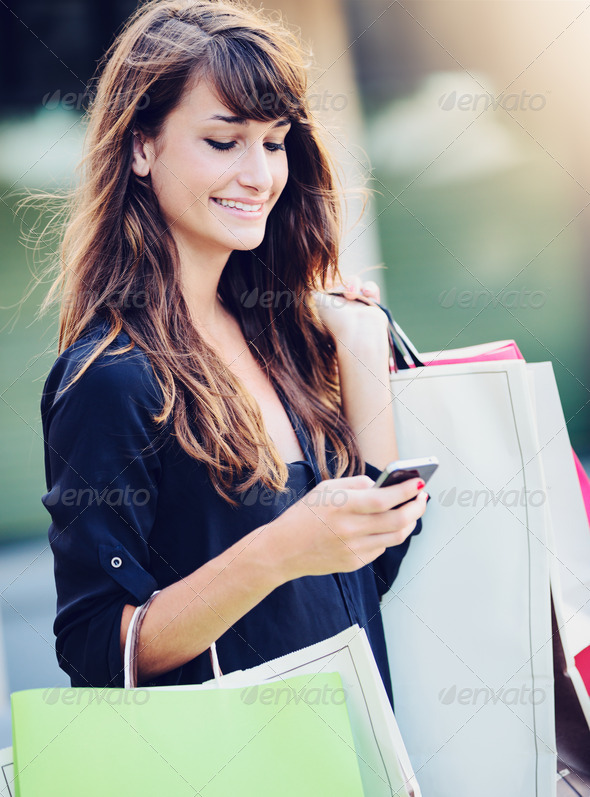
(220, 145)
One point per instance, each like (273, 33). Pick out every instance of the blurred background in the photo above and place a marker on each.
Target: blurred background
(469, 120)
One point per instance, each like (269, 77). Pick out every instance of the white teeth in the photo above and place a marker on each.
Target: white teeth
(229, 203)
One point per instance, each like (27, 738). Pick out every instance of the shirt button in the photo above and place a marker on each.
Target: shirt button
(116, 561)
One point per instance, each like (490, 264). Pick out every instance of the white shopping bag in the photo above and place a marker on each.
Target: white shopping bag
(383, 761)
(6, 773)
(468, 622)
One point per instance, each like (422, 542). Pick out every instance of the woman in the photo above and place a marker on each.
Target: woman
(195, 440)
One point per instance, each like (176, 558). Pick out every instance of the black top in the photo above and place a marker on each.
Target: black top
(132, 512)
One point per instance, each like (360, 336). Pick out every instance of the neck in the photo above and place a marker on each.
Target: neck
(200, 275)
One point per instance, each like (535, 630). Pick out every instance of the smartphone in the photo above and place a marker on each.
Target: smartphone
(404, 469)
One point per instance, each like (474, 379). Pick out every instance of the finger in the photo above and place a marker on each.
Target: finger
(398, 518)
(338, 492)
(341, 490)
(392, 538)
(399, 493)
(372, 290)
(393, 521)
(352, 286)
(363, 482)
(381, 499)
(373, 545)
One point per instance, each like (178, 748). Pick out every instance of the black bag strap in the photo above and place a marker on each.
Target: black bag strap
(403, 351)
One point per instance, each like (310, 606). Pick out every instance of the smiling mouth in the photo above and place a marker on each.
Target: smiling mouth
(230, 203)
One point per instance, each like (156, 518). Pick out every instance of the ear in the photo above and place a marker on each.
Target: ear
(142, 152)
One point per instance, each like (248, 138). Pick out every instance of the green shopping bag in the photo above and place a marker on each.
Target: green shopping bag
(291, 738)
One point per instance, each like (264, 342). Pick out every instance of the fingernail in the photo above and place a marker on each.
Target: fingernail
(427, 497)
(421, 485)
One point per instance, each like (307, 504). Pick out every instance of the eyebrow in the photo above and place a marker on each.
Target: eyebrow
(241, 120)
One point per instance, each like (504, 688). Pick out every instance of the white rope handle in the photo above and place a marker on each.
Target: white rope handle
(132, 644)
(215, 664)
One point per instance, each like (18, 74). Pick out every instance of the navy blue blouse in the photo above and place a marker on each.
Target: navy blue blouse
(132, 512)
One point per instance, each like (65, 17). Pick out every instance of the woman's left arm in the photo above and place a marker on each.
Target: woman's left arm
(362, 344)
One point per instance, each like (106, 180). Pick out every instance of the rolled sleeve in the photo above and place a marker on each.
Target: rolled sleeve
(386, 567)
(102, 470)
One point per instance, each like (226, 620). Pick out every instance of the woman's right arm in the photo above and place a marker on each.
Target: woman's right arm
(339, 526)
(103, 468)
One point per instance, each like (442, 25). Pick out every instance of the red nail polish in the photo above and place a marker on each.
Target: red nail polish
(421, 485)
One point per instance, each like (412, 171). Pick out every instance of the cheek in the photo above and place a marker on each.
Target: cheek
(180, 182)
(281, 174)
(180, 171)
(170, 192)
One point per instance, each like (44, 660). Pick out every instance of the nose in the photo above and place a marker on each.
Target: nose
(254, 168)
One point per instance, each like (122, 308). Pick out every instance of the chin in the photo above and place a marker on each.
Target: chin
(244, 243)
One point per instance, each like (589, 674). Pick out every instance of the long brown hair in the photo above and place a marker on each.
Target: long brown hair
(116, 246)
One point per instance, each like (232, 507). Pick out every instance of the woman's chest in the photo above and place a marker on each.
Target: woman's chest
(244, 365)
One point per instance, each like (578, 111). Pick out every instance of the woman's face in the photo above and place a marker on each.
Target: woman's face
(216, 176)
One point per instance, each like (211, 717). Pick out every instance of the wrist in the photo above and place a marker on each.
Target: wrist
(267, 550)
(366, 356)
(364, 336)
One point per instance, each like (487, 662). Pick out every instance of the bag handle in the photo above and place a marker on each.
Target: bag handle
(404, 354)
(132, 645)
